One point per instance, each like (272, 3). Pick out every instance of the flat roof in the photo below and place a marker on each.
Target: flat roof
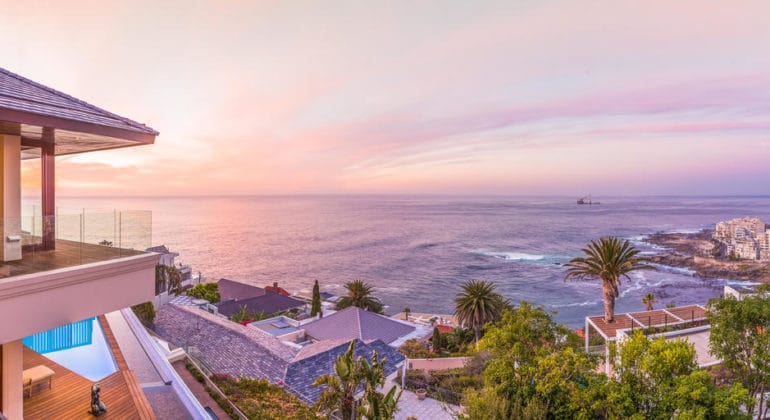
(644, 319)
(29, 109)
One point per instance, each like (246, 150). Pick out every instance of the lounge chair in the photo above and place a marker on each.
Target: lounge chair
(36, 375)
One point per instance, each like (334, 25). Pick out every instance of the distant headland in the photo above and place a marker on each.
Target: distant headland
(737, 249)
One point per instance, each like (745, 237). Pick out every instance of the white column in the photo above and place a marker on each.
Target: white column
(586, 334)
(10, 197)
(13, 393)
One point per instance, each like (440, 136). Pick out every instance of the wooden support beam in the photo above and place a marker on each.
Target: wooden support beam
(48, 185)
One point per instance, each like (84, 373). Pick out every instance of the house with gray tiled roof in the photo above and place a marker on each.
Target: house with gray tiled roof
(353, 322)
(230, 348)
(235, 295)
(225, 346)
(306, 366)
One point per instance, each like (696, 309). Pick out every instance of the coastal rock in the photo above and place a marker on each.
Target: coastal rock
(699, 253)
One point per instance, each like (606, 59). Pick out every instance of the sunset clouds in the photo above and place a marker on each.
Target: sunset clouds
(507, 97)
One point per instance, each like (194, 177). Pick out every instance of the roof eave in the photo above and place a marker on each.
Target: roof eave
(78, 126)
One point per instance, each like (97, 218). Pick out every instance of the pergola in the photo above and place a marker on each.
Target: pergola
(50, 123)
(627, 322)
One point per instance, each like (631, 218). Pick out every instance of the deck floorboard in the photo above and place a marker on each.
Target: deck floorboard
(70, 393)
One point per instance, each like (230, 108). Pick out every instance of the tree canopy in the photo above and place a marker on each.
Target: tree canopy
(360, 295)
(608, 259)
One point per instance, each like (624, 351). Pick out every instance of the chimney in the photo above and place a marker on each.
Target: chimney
(275, 284)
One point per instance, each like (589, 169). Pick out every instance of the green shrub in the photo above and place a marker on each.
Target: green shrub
(197, 374)
(145, 312)
(208, 291)
(258, 399)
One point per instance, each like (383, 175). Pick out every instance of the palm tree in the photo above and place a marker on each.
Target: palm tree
(407, 311)
(350, 374)
(608, 259)
(360, 295)
(648, 300)
(478, 304)
(340, 392)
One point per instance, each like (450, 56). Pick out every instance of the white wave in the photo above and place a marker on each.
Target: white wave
(586, 303)
(512, 256)
(676, 270)
(685, 231)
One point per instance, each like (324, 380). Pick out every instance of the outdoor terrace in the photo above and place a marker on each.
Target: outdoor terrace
(70, 393)
(79, 238)
(66, 254)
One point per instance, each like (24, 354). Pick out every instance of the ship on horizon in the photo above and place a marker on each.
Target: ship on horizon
(587, 200)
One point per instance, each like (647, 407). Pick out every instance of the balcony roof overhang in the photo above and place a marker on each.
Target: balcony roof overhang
(44, 116)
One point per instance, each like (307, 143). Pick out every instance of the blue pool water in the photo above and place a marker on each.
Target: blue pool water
(79, 347)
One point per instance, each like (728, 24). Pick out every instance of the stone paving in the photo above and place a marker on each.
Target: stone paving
(427, 409)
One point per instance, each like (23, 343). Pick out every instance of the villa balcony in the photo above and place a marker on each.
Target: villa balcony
(74, 266)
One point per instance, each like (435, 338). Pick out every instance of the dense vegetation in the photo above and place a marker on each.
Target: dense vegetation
(536, 369)
(145, 312)
(258, 399)
(208, 291)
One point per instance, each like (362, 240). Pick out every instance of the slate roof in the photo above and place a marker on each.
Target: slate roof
(160, 249)
(230, 289)
(21, 94)
(301, 373)
(230, 348)
(225, 346)
(269, 303)
(355, 322)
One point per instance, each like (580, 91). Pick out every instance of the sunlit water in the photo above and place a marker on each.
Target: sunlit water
(417, 250)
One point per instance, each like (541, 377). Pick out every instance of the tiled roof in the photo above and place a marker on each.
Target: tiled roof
(230, 289)
(301, 374)
(21, 94)
(230, 348)
(226, 347)
(160, 249)
(355, 322)
(269, 303)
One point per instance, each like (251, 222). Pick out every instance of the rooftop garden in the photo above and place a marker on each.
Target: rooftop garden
(258, 399)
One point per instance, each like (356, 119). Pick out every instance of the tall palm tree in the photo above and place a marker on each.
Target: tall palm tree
(340, 392)
(350, 374)
(608, 259)
(360, 295)
(477, 304)
(648, 300)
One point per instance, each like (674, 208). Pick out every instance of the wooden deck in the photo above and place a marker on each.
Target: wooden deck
(70, 395)
(66, 254)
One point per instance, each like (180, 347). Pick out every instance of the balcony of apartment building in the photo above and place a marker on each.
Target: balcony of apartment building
(61, 266)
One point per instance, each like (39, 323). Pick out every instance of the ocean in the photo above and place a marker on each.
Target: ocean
(417, 250)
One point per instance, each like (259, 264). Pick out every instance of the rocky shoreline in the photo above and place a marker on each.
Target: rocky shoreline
(697, 252)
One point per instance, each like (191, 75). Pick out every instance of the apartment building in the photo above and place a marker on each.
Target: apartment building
(745, 238)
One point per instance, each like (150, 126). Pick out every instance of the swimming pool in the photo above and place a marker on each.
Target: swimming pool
(79, 347)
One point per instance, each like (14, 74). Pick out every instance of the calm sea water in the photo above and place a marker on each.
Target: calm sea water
(417, 251)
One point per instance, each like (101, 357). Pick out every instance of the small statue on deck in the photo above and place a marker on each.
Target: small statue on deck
(97, 407)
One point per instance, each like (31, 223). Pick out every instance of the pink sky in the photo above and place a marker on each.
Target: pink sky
(522, 97)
